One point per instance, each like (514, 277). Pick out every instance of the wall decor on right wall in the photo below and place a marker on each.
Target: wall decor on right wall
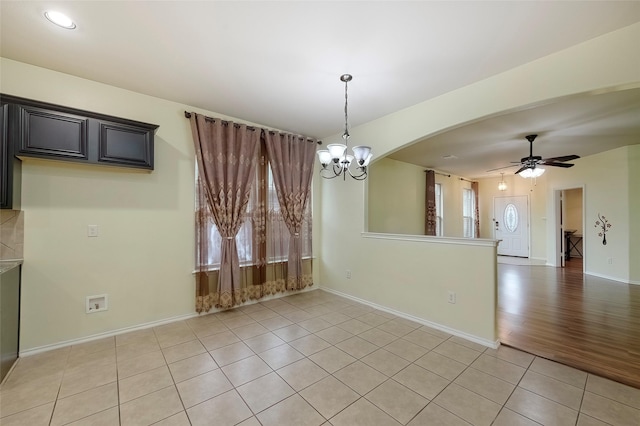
(603, 224)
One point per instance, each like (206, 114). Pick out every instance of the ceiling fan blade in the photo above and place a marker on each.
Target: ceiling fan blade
(561, 159)
(501, 168)
(565, 165)
(525, 167)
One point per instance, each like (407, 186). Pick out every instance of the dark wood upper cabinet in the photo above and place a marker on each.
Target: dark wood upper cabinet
(31, 128)
(124, 144)
(46, 133)
(61, 133)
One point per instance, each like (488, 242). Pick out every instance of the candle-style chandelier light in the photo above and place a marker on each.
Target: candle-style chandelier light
(335, 161)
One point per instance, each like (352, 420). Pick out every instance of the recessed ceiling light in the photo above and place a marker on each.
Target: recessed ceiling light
(60, 19)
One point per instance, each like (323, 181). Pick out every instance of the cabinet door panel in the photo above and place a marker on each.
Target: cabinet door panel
(5, 169)
(125, 145)
(54, 134)
(9, 319)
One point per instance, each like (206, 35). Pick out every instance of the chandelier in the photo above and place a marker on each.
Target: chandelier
(335, 161)
(502, 185)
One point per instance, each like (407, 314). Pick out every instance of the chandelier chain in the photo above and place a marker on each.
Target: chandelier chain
(346, 116)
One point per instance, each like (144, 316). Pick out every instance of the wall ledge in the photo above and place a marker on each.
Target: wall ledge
(434, 240)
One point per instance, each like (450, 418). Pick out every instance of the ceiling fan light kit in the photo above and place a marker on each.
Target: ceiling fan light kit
(532, 173)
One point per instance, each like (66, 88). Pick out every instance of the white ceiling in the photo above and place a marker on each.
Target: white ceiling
(278, 64)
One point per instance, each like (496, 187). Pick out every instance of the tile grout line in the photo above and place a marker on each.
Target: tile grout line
(504, 406)
(351, 308)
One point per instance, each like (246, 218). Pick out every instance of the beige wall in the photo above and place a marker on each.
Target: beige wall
(598, 174)
(633, 157)
(396, 195)
(573, 205)
(144, 256)
(452, 222)
(603, 63)
(396, 199)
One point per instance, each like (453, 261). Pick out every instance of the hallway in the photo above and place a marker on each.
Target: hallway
(580, 320)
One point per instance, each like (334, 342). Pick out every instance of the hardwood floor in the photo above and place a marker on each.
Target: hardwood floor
(561, 314)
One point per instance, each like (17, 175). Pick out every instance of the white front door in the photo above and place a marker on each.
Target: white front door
(511, 225)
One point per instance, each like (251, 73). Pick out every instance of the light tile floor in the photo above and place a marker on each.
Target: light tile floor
(312, 358)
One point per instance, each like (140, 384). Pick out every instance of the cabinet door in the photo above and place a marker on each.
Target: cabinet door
(9, 319)
(52, 134)
(125, 145)
(5, 171)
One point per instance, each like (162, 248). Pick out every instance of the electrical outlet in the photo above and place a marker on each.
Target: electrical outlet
(348, 274)
(610, 261)
(451, 297)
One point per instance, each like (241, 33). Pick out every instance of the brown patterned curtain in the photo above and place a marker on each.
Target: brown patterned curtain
(430, 204)
(227, 156)
(292, 158)
(476, 210)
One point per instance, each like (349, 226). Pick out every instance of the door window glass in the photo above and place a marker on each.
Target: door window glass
(511, 218)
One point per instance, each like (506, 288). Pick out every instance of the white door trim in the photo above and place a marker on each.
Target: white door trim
(555, 220)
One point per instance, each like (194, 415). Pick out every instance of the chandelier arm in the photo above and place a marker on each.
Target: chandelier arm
(361, 176)
(328, 175)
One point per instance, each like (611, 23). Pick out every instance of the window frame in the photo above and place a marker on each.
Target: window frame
(439, 207)
(243, 248)
(468, 221)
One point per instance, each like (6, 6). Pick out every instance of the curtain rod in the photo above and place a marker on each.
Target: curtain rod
(187, 114)
(467, 180)
(437, 173)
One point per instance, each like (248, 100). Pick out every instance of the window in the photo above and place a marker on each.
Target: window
(468, 207)
(275, 233)
(439, 232)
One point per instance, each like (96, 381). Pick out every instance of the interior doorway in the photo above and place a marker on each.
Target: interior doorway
(574, 226)
(570, 244)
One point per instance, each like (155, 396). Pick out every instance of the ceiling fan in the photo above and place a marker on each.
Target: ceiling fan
(529, 164)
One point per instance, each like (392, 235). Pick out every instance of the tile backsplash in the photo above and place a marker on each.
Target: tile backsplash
(11, 234)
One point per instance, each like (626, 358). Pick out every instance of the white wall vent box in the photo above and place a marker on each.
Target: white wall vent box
(97, 303)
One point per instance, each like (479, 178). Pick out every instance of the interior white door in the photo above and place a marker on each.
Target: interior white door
(511, 225)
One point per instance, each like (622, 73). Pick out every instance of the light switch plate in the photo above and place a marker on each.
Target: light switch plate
(92, 230)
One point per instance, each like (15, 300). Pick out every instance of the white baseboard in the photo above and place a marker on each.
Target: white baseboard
(606, 277)
(71, 342)
(462, 334)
